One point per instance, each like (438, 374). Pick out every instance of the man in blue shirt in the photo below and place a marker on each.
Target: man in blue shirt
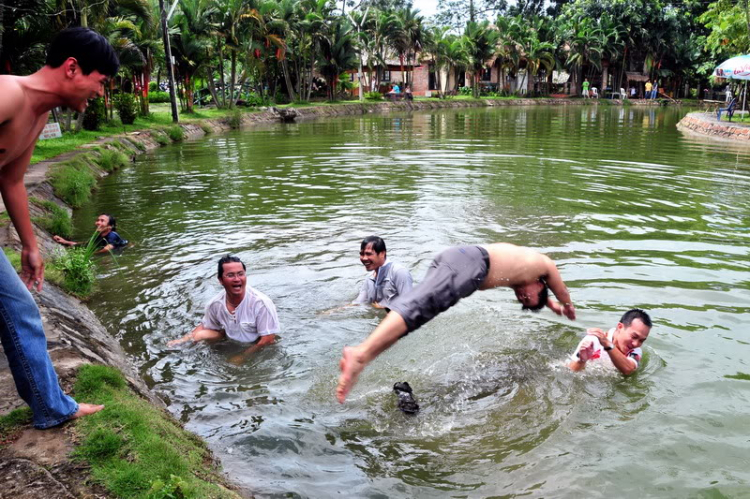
(387, 281)
(106, 239)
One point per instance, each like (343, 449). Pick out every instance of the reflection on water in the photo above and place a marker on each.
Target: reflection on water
(635, 214)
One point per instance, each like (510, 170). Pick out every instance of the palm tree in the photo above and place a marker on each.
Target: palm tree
(192, 43)
(338, 53)
(481, 45)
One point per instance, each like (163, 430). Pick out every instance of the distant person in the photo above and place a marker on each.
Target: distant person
(586, 88)
(621, 344)
(728, 92)
(106, 238)
(396, 89)
(649, 87)
(79, 63)
(240, 313)
(387, 281)
(407, 93)
(632, 92)
(454, 274)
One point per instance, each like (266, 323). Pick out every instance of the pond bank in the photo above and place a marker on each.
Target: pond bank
(706, 124)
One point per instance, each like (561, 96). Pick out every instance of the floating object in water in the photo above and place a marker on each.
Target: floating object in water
(406, 401)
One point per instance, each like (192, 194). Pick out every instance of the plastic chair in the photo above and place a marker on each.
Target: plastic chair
(729, 109)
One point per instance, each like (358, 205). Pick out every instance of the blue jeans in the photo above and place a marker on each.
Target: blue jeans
(25, 346)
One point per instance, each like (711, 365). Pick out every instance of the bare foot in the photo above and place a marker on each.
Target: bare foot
(86, 410)
(351, 364)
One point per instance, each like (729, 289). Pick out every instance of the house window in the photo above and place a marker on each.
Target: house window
(487, 74)
(386, 76)
(432, 78)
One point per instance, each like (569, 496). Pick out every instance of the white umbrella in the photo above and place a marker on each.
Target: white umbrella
(736, 68)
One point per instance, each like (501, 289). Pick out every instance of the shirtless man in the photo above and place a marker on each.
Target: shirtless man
(454, 274)
(79, 62)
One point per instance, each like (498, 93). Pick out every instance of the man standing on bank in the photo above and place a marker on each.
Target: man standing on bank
(240, 313)
(79, 63)
(388, 280)
(454, 274)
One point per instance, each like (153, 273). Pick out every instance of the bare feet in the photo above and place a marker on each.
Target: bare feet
(86, 410)
(351, 364)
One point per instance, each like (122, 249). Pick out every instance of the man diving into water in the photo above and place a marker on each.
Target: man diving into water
(454, 274)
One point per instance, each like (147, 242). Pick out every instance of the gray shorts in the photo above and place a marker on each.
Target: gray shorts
(453, 274)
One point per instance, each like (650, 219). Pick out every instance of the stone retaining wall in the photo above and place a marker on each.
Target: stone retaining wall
(707, 125)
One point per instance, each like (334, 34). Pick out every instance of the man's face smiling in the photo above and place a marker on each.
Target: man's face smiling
(630, 337)
(234, 280)
(102, 223)
(84, 87)
(370, 259)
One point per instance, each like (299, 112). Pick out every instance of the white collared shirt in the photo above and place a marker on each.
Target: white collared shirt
(254, 317)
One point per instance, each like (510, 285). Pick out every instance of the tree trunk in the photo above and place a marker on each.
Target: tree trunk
(232, 78)
(221, 76)
(212, 86)
(288, 81)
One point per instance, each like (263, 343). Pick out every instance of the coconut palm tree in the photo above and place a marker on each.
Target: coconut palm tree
(481, 45)
(338, 53)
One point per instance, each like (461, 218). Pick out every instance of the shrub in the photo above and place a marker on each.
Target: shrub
(110, 160)
(281, 97)
(77, 267)
(152, 87)
(57, 221)
(160, 138)
(255, 100)
(158, 97)
(235, 119)
(373, 96)
(127, 108)
(72, 181)
(176, 133)
(466, 91)
(95, 115)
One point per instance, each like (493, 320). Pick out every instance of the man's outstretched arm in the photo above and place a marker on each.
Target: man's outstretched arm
(354, 359)
(557, 286)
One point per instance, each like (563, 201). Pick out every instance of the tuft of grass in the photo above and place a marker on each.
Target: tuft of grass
(176, 133)
(111, 159)
(206, 128)
(72, 181)
(235, 119)
(51, 272)
(77, 267)
(14, 420)
(134, 449)
(137, 144)
(4, 218)
(160, 138)
(57, 221)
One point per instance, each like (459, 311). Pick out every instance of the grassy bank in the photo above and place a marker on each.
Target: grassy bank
(160, 117)
(136, 450)
(131, 448)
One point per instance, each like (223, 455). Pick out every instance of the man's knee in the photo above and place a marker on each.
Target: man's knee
(207, 335)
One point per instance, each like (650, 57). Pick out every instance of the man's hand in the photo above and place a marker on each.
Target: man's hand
(32, 268)
(586, 351)
(601, 335)
(569, 311)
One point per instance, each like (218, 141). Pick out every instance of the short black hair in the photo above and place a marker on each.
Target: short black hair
(229, 259)
(378, 245)
(89, 48)
(543, 295)
(112, 220)
(633, 314)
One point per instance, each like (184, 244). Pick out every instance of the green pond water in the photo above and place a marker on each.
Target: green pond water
(635, 213)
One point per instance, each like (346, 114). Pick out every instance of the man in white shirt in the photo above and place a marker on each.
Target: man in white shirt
(621, 344)
(239, 312)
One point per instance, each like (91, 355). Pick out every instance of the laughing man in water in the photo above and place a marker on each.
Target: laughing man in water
(621, 344)
(454, 274)
(239, 312)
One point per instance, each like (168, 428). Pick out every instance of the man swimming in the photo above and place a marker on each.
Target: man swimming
(454, 274)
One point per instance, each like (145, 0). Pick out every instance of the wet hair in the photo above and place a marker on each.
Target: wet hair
(633, 314)
(89, 48)
(229, 259)
(543, 295)
(112, 221)
(378, 245)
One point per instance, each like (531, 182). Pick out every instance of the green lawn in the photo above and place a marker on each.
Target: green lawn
(160, 116)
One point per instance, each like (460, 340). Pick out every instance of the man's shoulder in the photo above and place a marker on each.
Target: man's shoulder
(216, 300)
(259, 298)
(12, 90)
(398, 270)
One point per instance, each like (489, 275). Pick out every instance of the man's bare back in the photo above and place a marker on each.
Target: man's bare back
(512, 265)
